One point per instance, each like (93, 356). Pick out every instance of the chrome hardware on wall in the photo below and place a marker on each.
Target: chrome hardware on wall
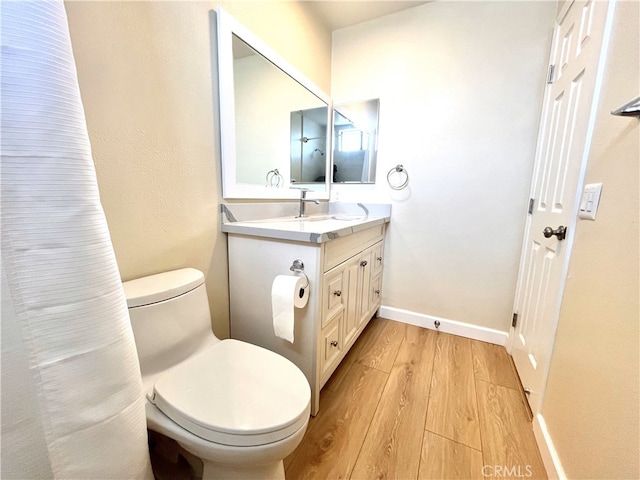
(400, 170)
(298, 267)
(274, 178)
(629, 109)
(560, 232)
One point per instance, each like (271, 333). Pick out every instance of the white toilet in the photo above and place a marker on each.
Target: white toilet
(238, 407)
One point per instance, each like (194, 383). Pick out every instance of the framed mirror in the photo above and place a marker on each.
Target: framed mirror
(274, 122)
(355, 142)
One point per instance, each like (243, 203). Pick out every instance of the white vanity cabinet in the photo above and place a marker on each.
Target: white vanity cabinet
(345, 281)
(351, 293)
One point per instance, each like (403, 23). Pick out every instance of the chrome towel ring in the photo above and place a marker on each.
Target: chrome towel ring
(274, 178)
(401, 171)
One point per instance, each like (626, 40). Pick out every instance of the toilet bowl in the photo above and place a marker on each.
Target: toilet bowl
(238, 407)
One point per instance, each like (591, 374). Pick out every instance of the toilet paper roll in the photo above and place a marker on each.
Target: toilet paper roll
(287, 293)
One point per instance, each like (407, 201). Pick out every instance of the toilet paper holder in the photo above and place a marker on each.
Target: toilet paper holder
(298, 267)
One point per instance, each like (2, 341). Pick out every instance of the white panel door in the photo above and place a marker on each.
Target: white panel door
(566, 125)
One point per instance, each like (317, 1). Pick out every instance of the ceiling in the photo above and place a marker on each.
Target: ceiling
(337, 14)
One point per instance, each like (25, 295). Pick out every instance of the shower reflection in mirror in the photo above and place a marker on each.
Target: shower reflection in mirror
(355, 142)
(308, 144)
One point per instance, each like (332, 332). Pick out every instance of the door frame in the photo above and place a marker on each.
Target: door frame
(571, 227)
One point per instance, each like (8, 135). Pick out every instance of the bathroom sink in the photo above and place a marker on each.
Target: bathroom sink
(278, 220)
(310, 218)
(348, 218)
(314, 218)
(334, 224)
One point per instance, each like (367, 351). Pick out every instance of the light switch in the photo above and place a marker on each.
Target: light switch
(590, 200)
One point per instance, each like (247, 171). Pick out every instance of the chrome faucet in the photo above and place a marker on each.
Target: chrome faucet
(303, 200)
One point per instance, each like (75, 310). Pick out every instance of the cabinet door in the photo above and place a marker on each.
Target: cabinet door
(351, 281)
(364, 286)
(333, 294)
(377, 257)
(375, 294)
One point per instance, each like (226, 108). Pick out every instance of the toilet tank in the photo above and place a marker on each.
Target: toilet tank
(170, 318)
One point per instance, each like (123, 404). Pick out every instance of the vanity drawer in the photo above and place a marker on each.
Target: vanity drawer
(341, 249)
(331, 350)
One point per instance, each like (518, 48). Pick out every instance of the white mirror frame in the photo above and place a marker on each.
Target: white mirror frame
(227, 27)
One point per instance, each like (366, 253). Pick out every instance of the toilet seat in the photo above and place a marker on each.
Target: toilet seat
(235, 393)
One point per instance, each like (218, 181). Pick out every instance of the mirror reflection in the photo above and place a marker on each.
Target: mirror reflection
(280, 126)
(355, 142)
(308, 144)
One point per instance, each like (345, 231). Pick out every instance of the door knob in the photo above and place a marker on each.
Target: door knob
(559, 232)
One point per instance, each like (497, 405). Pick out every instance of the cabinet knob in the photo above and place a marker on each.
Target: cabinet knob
(337, 293)
(379, 259)
(363, 263)
(377, 292)
(334, 343)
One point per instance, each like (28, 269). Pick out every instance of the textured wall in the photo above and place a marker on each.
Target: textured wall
(145, 73)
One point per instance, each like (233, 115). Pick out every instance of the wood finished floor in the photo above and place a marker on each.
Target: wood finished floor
(412, 403)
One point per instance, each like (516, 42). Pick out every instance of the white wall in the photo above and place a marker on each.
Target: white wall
(460, 87)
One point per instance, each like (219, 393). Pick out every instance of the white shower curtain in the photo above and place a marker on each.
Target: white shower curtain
(71, 395)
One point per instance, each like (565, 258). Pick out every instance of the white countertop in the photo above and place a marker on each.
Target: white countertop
(316, 228)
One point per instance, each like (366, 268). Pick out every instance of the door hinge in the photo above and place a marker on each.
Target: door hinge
(514, 322)
(550, 77)
(531, 202)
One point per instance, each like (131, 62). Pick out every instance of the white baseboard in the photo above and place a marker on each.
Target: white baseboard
(547, 450)
(454, 327)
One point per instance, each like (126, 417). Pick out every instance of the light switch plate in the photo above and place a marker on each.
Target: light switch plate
(590, 200)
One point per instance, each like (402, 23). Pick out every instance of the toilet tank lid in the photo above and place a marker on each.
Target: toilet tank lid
(162, 286)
